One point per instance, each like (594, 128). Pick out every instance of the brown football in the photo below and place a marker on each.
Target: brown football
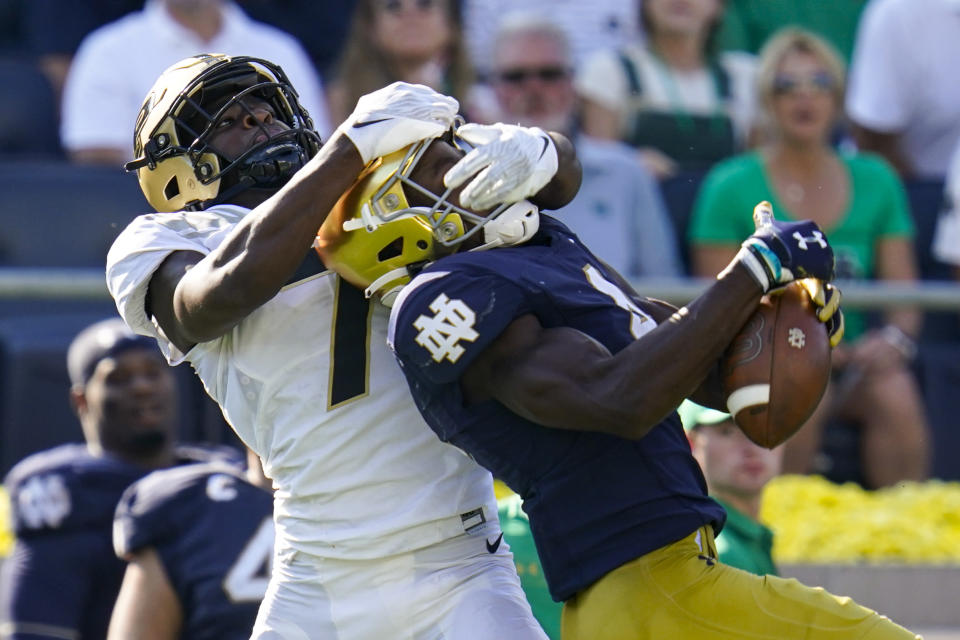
(776, 370)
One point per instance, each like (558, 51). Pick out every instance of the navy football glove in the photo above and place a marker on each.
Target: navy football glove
(781, 252)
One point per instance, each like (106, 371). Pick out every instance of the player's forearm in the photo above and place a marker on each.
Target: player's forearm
(563, 379)
(553, 377)
(577, 385)
(673, 361)
(267, 246)
(710, 392)
(565, 184)
(147, 606)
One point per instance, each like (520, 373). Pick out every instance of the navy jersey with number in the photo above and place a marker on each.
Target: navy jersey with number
(595, 501)
(213, 532)
(62, 578)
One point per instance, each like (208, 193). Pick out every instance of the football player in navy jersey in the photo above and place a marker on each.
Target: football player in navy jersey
(527, 352)
(199, 543)
(62, 578)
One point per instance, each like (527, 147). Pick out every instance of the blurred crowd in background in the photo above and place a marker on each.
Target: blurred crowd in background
(685, 114)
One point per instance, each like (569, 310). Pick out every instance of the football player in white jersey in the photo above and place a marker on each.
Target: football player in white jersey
(382, 530)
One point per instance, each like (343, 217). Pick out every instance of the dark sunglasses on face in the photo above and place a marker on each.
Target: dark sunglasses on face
(394, 6)
(545, 74)
(784, 83)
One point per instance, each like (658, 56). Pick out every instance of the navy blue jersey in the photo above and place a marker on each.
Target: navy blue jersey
(63, 577)
(213, 532)
(595, 501)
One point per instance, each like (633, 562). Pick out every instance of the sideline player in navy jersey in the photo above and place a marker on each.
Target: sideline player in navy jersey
(539, 362)
(199, 543)
(62, 578)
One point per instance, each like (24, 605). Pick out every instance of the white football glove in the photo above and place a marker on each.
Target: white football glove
(511, 163)
(400, 114)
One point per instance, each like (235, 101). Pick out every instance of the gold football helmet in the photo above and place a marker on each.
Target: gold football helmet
(377, 241)
(177, 166)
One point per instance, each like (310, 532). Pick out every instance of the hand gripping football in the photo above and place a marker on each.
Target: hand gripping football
(776, 369)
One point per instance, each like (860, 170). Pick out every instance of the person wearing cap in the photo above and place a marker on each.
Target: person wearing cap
(62, 578)
(736, 471)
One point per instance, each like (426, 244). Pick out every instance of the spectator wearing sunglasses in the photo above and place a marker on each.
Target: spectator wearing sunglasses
(589, 26)
(618, 210)
(671, 96)
(415, 41)
(98, 106)
(859, 201)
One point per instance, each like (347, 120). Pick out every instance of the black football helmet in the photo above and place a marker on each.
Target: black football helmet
(176, 164)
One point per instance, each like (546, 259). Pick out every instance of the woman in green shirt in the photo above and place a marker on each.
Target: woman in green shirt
(860, 204)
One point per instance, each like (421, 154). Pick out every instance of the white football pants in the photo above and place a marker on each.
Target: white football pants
(456, 590)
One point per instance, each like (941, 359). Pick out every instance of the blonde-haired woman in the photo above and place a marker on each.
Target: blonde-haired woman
(860, 203)
(418, 41)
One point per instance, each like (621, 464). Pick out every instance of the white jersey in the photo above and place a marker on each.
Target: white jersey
(308, 383)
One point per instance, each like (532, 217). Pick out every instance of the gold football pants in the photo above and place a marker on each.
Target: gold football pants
(681, 591)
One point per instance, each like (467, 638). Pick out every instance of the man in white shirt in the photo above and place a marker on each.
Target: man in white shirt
(116, 65)
(902, 97)
(382, 530)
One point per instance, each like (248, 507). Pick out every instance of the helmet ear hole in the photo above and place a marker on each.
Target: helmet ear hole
(392, 250)
(172, 189)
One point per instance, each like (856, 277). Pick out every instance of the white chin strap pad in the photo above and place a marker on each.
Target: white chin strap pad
(517, 224)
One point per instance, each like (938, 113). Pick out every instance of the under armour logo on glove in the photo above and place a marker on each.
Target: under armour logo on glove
(803, 240)
(779, 252)
(452, 322)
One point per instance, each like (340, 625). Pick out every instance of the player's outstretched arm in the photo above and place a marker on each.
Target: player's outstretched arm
(563, 379)
(147, 607)
(198, 298)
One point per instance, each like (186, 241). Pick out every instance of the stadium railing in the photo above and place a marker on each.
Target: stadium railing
(83, 294)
